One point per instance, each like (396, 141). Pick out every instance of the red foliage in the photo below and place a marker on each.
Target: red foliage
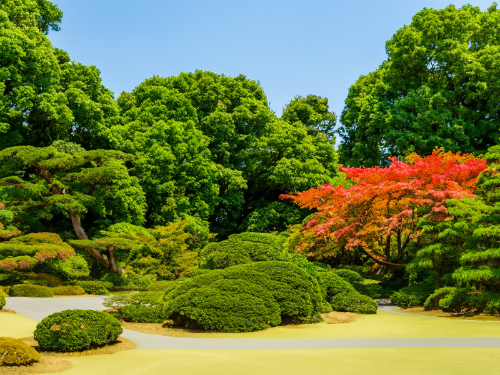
(380, 211)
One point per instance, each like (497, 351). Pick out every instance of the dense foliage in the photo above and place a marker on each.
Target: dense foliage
(14, 352)
(437, 88)
(73, 330)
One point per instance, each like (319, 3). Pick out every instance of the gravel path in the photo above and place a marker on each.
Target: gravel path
(39, 308)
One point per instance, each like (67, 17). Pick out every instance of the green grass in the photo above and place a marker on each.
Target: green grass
(407, 361)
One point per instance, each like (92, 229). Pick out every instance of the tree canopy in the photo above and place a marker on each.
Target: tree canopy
(437, 88)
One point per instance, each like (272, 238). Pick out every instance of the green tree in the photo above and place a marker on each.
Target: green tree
(47, 188)
(437, 88)
(46, 97)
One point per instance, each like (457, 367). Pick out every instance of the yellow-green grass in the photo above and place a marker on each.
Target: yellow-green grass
(407, 361)
(382, 324)
(16, 326)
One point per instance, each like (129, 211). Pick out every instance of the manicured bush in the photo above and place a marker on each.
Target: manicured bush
(143, 307)
(162, 286)
(241, 249)
(14, 352)
(245, 297)
(68, 290)
(2, 301)
(73, 330)
(354, 302)
(333, 284)
(42, 280)
(26, 290)
(95, 287)
(348, 275)
(370, 288)
(412, 295)
(138, 282)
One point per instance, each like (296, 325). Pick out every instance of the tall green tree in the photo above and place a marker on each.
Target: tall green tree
(44, 96)
(439, 87)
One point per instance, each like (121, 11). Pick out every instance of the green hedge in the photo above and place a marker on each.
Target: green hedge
(354, 302)
(73, 330)
(68, 290)
(95, 287)
(26, 290)
(412, 295)
(162, 286)
(14, 352)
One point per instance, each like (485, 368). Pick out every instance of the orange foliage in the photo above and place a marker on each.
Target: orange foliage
(387, 202)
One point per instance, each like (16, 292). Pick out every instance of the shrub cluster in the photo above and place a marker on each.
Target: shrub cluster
(453, 299)
(2, 301)
(14, 352)
(68, 290)
(412, 295)
(242, 248)
(162, 286)
(143, 307)
(245, 298)
(342, 296)
(73, 330)
(95, 287)
(27, 290)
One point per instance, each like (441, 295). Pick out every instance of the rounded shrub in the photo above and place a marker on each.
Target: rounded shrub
(73, 330)
(349, 276)
(162, 286)
(68, 290)
(95, 287)
(27, 290)
(14, 352)
(43, 280)
(2, 301)
(354, 302)
(412, 295)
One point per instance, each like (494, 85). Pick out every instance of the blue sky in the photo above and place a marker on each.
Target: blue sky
(291, 47)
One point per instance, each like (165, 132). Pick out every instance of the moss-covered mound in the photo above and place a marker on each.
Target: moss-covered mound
(244, 298)
(73, 330)
(28, 290)
(14, 352)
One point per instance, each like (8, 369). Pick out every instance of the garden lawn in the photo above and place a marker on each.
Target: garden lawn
(16, 326)
(414, 361)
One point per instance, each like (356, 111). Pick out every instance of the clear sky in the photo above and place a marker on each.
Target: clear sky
(291, 47)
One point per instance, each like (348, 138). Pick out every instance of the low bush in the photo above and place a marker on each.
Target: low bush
(452, 299)
(143, 307)
(349, 276)
(412, 295)
(245, 297)
(354, 302)
(43, 280)
(138, 282)
(14, 352)
(2, 301)
(95, 287)
(68, 290)
(27, 290)
(162, 286)
(370, 288)
(73, 330)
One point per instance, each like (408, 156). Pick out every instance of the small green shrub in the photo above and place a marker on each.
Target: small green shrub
(349, 276)
(2, 301)
(14, 352)
(5, 290)
(95, 287)
(68, 290)
(162, 286)
(73, 330)
(43, 280)
(370, 288)
(354, 302)
(138, 282)
(26, 290)
(143, 307)
(333, 284)
(413, 295)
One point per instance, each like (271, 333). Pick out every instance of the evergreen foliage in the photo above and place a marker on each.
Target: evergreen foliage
(14, 352)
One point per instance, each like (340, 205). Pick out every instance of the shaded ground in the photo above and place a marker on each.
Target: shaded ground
(442, 314)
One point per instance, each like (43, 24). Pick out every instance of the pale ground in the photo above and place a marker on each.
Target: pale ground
(338, 361)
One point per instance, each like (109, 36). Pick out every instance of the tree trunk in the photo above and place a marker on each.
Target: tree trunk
(80, 233)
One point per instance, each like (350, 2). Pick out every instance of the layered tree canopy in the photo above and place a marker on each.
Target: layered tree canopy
(439, 87)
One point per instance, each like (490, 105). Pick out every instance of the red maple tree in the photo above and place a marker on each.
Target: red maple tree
(379, 213)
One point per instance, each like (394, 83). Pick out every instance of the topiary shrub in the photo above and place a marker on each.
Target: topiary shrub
(14, 352)
(143, 307)
(43, 280)
(73, 330)
(162, 286)
(348, 275)
(68, 290)
(2, 301)
(26, 290)
(412, 295)
(245, 297)
(370, 288)
(95, 287)
(354, 302)
(241, 249)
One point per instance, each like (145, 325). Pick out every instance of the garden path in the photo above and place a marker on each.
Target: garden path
(39, 308)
